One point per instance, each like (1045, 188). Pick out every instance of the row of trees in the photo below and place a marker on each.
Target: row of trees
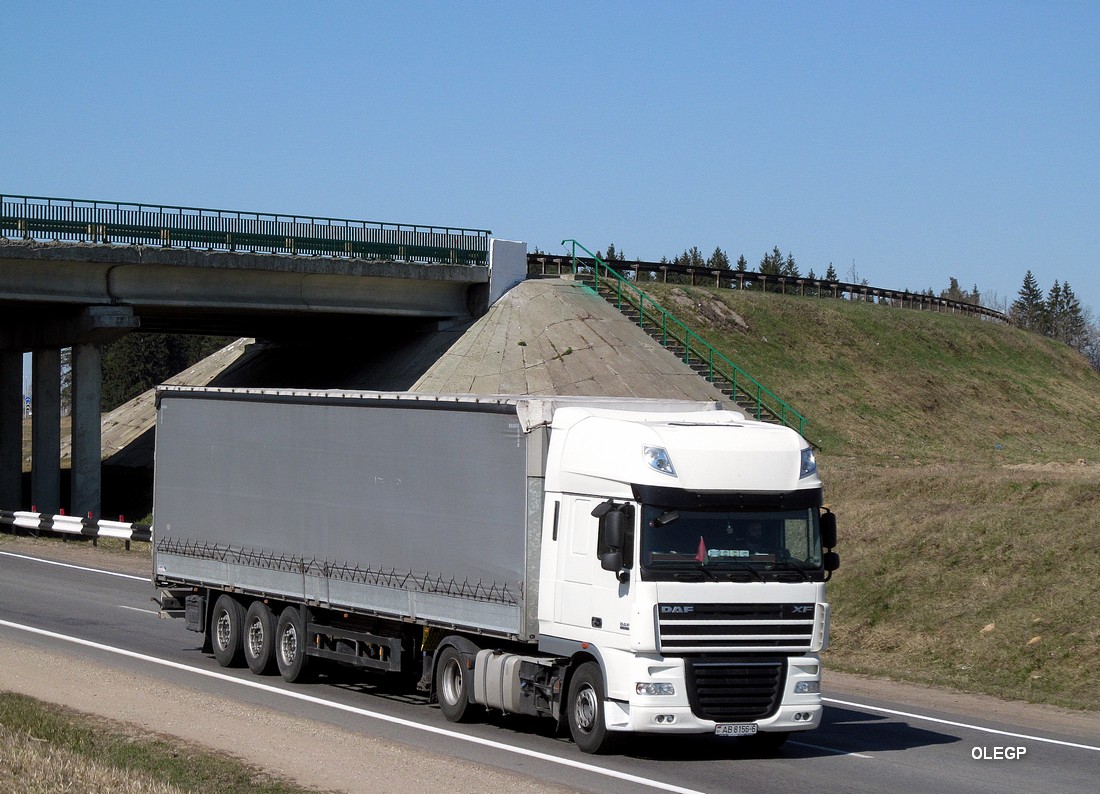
(137, 362)
(1057, 314)
(772, 263)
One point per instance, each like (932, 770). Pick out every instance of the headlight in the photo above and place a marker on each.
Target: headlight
(655, 688)
(807, 688)
(809, 464)
(657, 458)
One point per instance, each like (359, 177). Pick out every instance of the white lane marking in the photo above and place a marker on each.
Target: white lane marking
(139, 609)
(967, 725)
(832, 750)
(354, 710)
(77, 567)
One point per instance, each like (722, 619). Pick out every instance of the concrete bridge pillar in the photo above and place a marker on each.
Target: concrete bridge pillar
(87, 479)
(46, 430)
(11, 430)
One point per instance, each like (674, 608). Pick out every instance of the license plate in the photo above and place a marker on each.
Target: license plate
(735, 729)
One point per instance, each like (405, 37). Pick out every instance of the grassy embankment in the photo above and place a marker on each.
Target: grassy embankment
(963, 460)
(45, 748)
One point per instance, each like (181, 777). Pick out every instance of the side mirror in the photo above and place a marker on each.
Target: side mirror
(830, 561)
(612, 561)
(613, 528)
(828, 530)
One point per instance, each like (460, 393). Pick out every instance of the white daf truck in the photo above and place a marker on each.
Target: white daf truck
(616, 565)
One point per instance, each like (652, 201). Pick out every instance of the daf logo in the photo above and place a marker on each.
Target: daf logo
(677, 610)
(802, 609)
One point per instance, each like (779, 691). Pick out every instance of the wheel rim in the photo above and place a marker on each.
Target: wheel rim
(256, 638)
(450, 682)
(585, 708)
(288, 645)
(224, 629)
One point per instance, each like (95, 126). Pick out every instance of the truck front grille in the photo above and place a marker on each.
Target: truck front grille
(747, 628)
(735, 690)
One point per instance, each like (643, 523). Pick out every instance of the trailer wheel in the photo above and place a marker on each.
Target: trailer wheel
(259, 638)
(290, 647)
(452, 688)
(225, 630)
(586, 710)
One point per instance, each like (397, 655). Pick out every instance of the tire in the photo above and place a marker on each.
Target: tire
(290, 647)
(226, 630)
(452, 686)
(258, 639)
(587, 723)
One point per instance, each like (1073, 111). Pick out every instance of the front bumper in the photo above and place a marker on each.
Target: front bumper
(796, 711)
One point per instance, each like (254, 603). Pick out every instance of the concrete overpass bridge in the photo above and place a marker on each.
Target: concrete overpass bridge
(79, 274)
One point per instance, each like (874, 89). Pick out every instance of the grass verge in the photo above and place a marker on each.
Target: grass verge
(48, 748)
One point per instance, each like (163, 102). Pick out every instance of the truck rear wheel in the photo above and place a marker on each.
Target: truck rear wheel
(587, 724)
(290, 647)
(452, 686)
(226, 630)
(259, 638)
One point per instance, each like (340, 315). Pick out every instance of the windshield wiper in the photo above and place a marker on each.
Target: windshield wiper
(801, 571)
(740, 566)
(702, 566)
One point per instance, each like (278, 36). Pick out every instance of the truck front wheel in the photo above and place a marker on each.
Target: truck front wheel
(586, 710)
(452, 688)
(290, 646)
(225, 630)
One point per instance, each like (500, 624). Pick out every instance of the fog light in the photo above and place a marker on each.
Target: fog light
(655, 688)
(665, 719)
(807, 688)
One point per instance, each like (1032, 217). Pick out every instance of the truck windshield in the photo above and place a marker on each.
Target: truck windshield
(730, 540)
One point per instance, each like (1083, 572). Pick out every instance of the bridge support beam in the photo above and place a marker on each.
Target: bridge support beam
(46, 430)
(11, 430)
(86, 472)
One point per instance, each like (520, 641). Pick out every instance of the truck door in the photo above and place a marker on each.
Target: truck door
(577, 563)
(588, 597)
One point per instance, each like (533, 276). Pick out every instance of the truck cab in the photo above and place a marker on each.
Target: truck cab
(683, 555)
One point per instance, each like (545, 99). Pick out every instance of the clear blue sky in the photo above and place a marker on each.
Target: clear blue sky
(911, 141)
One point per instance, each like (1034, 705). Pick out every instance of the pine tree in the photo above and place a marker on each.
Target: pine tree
(789, 267)
(1052, 312)
(613, 254)
(954, 292)
(742, 263)
(830, 274)
(718, 260)
(772, 264)
(1028, 309)
(1064, 318)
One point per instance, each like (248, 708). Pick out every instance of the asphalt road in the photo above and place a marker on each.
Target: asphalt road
(864, 744)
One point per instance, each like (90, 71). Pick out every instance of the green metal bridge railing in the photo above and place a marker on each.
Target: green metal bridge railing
(107, 222)
(670, 331)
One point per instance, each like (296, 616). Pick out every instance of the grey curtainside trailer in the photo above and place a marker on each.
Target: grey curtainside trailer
(420, 509)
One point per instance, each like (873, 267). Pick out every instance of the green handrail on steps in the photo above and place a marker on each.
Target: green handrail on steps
(674, 330)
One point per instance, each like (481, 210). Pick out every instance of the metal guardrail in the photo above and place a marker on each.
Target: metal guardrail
(73, 525)
(111, 222)
(673, 332)
(784, 285)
